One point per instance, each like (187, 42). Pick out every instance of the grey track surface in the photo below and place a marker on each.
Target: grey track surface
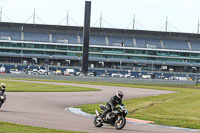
(47, 109)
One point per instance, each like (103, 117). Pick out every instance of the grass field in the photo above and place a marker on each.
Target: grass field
(6, 127)
(14, 86)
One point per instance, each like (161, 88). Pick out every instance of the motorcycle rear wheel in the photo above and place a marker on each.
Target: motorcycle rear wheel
(119, 124)
(97, 123)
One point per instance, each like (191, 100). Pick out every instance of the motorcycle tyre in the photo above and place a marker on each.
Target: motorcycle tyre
(1, 103)
(100, 124)
(122, 125)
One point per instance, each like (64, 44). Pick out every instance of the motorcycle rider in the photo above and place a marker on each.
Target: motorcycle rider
(112, 103)
(2, 93)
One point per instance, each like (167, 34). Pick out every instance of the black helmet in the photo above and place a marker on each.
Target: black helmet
(119, 94)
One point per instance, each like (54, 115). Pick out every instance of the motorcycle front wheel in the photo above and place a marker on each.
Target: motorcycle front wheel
(1, 103)
(119, 124)
(97, 122)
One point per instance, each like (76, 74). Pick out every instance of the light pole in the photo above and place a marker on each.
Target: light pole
(152, 67)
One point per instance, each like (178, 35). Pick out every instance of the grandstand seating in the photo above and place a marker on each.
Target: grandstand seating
(195, 45)
(175, 44)
(10, 35)
(100, 40)
(120, 41)
(117, 48)
(36, 36)
(97, 40)
(65, 38)
(148, 43)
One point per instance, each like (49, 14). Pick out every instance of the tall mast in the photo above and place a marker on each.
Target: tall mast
(67, 18)
(133, 21)
(34, 16)
(166, 24)
(198, 27)
(101, 20)
(1, 15)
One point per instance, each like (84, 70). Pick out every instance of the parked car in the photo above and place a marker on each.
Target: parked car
(115, 75)
(15, 71)
(69, 72)
(146, 76)
(58, 72)
(2, 69)
(35, 71)
(127, 75)
(91, 74)
(42, 72)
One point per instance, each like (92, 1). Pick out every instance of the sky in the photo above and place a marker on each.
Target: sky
(182, 15)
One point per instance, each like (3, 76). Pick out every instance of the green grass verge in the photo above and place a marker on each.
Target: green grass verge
(14, 86)
(107, 83)
(6, 127)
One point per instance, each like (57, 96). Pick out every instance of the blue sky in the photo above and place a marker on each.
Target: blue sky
(182, 15)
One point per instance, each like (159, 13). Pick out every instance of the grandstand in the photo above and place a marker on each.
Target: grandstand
(109, 48)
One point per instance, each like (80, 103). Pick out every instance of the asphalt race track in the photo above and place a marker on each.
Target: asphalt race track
(48, 109)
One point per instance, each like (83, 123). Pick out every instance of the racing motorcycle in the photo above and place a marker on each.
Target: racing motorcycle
(2, 98)
(115, 118)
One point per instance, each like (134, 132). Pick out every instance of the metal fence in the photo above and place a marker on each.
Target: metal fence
(101, 79)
